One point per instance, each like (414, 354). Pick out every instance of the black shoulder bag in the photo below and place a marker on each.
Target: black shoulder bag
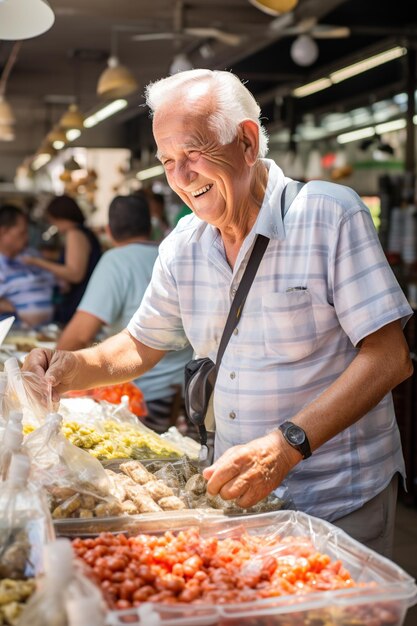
(200, 374)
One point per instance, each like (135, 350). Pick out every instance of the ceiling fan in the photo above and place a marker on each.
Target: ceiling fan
(229, 39)
(181, 32)
(310, 26)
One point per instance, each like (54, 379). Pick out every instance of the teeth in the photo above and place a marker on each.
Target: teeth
(200, 191)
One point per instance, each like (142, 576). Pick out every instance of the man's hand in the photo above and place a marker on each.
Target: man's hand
(55, 367)
(248, 473)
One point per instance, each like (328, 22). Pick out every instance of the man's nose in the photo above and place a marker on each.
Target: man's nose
(184, 173)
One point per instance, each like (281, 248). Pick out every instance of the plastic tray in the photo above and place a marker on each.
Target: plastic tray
(385, 603)
(133, 524)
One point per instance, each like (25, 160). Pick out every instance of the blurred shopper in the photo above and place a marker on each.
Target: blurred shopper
(114, 293)
(80, 256)
(160, 224)
(25, 292)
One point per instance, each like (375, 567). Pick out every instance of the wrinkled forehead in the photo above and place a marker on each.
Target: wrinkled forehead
(192, 100)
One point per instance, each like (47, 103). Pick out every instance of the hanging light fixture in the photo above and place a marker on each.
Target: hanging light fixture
(304, 50)
(6, 114)
(7, 118)
(7, 121)
(57, 137)
(275, 7)
(72, 119)
(180, 63)
(116, 81)
(23, 19)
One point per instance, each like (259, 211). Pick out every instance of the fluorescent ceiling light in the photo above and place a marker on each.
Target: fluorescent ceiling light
(354, 135)
(367, 64)
(349, 71)
(309, 88)
(105, 112)
(40, 161)
(150, 172)
(388, 127)
(58, 145)
(73, 134)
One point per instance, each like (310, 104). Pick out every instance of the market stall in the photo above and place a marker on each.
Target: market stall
(149, 545)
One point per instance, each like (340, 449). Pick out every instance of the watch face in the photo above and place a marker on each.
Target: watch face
(295, 435)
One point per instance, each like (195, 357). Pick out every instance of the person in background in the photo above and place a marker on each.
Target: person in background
(25, 292)
(160, 224)
(302, 398)
(81, 253)
(114, 293)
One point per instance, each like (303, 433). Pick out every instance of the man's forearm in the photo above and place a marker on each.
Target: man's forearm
(118, 359)
(381, 364)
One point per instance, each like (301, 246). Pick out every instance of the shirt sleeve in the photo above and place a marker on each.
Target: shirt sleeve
(157, 323)
(104, 295)
(366, 294)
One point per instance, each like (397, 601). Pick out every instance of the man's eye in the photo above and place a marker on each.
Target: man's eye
(193, 154)
(167, 163)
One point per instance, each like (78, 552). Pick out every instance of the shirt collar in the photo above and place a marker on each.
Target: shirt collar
(269, 221)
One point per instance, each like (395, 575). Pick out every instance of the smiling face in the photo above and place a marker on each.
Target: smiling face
(214, 180)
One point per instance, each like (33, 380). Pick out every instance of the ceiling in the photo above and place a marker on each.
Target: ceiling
(64, 64)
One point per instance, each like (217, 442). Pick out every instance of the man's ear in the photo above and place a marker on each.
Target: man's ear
(249, 136)
(109, 234)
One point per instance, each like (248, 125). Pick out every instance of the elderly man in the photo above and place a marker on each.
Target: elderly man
(319, 343)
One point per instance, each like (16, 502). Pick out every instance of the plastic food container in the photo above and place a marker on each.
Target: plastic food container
(134, 524)
(383, 603)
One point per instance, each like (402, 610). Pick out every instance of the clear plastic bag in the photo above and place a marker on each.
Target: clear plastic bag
(65, 596)
(26, 392)
(25, 527)
(11, 444)
(76, 483)
(111, 431)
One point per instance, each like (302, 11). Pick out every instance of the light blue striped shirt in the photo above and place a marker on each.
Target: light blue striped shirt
(322, 286)
(28, 288)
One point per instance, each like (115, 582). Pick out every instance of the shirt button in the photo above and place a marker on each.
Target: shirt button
(233, 292)
(232, 415)
(236, 331)
(232, 375)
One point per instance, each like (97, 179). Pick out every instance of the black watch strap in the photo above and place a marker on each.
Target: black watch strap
(296, 437)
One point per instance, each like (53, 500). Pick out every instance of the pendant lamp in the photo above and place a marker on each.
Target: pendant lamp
(116, 81)
(275, 7)
(7, 121)
(6, 114)
(72, 119)
(180, 63)
(23, 19)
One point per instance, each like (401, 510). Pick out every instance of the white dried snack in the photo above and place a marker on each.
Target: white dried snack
(137, 472)
(142, 500)
(129, 507)
(171, 503)
(157, 490)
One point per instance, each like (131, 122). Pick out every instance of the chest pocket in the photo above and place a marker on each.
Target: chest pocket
(288, 325)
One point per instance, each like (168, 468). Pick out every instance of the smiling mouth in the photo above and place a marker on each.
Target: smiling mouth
(201, 191)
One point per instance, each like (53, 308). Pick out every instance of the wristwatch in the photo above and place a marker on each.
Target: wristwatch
(296, 437)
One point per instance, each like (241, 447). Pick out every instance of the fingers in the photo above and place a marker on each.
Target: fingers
(221, 473)
(37, 361)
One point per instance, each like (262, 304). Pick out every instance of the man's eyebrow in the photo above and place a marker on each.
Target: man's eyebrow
(184, 146)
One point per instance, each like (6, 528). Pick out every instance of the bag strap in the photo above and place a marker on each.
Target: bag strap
(288, 196)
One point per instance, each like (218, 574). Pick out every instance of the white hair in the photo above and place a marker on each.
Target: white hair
(234, 102)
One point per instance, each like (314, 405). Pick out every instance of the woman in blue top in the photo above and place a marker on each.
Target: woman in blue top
(80, 256)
